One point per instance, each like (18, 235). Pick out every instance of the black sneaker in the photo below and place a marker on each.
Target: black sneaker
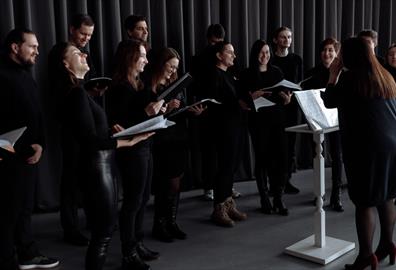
(40, 262)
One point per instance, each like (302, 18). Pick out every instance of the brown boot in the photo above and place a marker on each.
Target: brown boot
(220, 216)
(233, 212)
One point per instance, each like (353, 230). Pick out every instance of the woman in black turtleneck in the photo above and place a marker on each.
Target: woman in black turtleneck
(318, 78)
(267, 126)
(85, 122)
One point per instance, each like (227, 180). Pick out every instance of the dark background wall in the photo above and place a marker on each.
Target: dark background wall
(181, 24)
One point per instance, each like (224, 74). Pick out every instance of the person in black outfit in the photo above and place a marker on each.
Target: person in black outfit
(225, 122)
(368, 145)
(292, 68)
(86, 124)
(20, 106)
(80, 31)
(128, 102)
(391, 60)
(267, 126)
(169, 150)
(199, 70)
(318, 78)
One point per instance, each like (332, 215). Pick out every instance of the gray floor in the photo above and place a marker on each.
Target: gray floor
(257, 243)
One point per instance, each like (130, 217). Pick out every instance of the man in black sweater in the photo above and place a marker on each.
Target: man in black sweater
(20, 107)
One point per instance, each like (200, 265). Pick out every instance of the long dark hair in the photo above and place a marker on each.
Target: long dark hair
(371, 78)
(126, 56)
(158, 65)
(59, 76)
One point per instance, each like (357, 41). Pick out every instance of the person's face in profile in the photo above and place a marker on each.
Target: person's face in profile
(81, 36)
(140, 32)
(76, 62)
(26, 52)
(226, 56)
(142, 59)
(391, 57)
(328, 54)
(264, 55)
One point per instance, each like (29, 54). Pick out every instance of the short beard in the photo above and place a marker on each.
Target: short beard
(25, 63)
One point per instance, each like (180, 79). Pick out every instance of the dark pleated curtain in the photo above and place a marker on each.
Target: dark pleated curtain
(181, 24)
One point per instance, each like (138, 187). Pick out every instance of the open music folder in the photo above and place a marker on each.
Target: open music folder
(318, 116)
(152, 124)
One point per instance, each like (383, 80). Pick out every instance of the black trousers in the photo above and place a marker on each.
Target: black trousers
(336, 157)
(227, 145)
(270, 148)
(100, 194)
(135, 165)
(16, 206)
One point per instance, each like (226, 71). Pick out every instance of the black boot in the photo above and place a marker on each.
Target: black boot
(96, 253)
(335, 199)
(133, 262)
(160, 230)
(172, 227)
(279, 206)
(146, 253)
(266, 206)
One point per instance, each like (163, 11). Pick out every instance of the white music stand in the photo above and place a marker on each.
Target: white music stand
(318, 247)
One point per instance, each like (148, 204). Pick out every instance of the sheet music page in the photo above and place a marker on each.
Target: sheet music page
(284, 83)
(262, 102)
(316, 113)
(152, 124)
(11, 137)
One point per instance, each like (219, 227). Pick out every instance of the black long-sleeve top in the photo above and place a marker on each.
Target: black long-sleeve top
(86, 121)
(391, 70)
(317, 77)
(20, 105)
(125, 105)
(291, 66)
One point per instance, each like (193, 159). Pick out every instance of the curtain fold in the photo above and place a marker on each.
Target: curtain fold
(182, 25)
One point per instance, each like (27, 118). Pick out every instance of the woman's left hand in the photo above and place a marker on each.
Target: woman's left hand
(286, 96)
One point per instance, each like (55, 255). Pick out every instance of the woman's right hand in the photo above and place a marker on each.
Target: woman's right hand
(154, 107)
(259, 93)
(135, 140)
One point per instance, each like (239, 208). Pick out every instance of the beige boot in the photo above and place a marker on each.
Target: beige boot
(233, 212)
(220, 216)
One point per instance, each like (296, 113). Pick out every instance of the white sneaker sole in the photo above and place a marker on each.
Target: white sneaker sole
(38, 266)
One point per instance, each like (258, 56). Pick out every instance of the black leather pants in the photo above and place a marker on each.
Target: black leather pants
(100, 192)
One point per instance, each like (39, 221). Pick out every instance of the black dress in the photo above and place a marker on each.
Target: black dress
(367, 127)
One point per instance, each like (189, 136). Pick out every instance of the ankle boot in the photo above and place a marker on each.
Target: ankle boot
(220, 216)
(160, 230)
(363, 263)
(133, 262)
(279, 206)
(266, 205)
(172, 227)
(96, 253)
(145, 253)
(335, 199)
(233, 212)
